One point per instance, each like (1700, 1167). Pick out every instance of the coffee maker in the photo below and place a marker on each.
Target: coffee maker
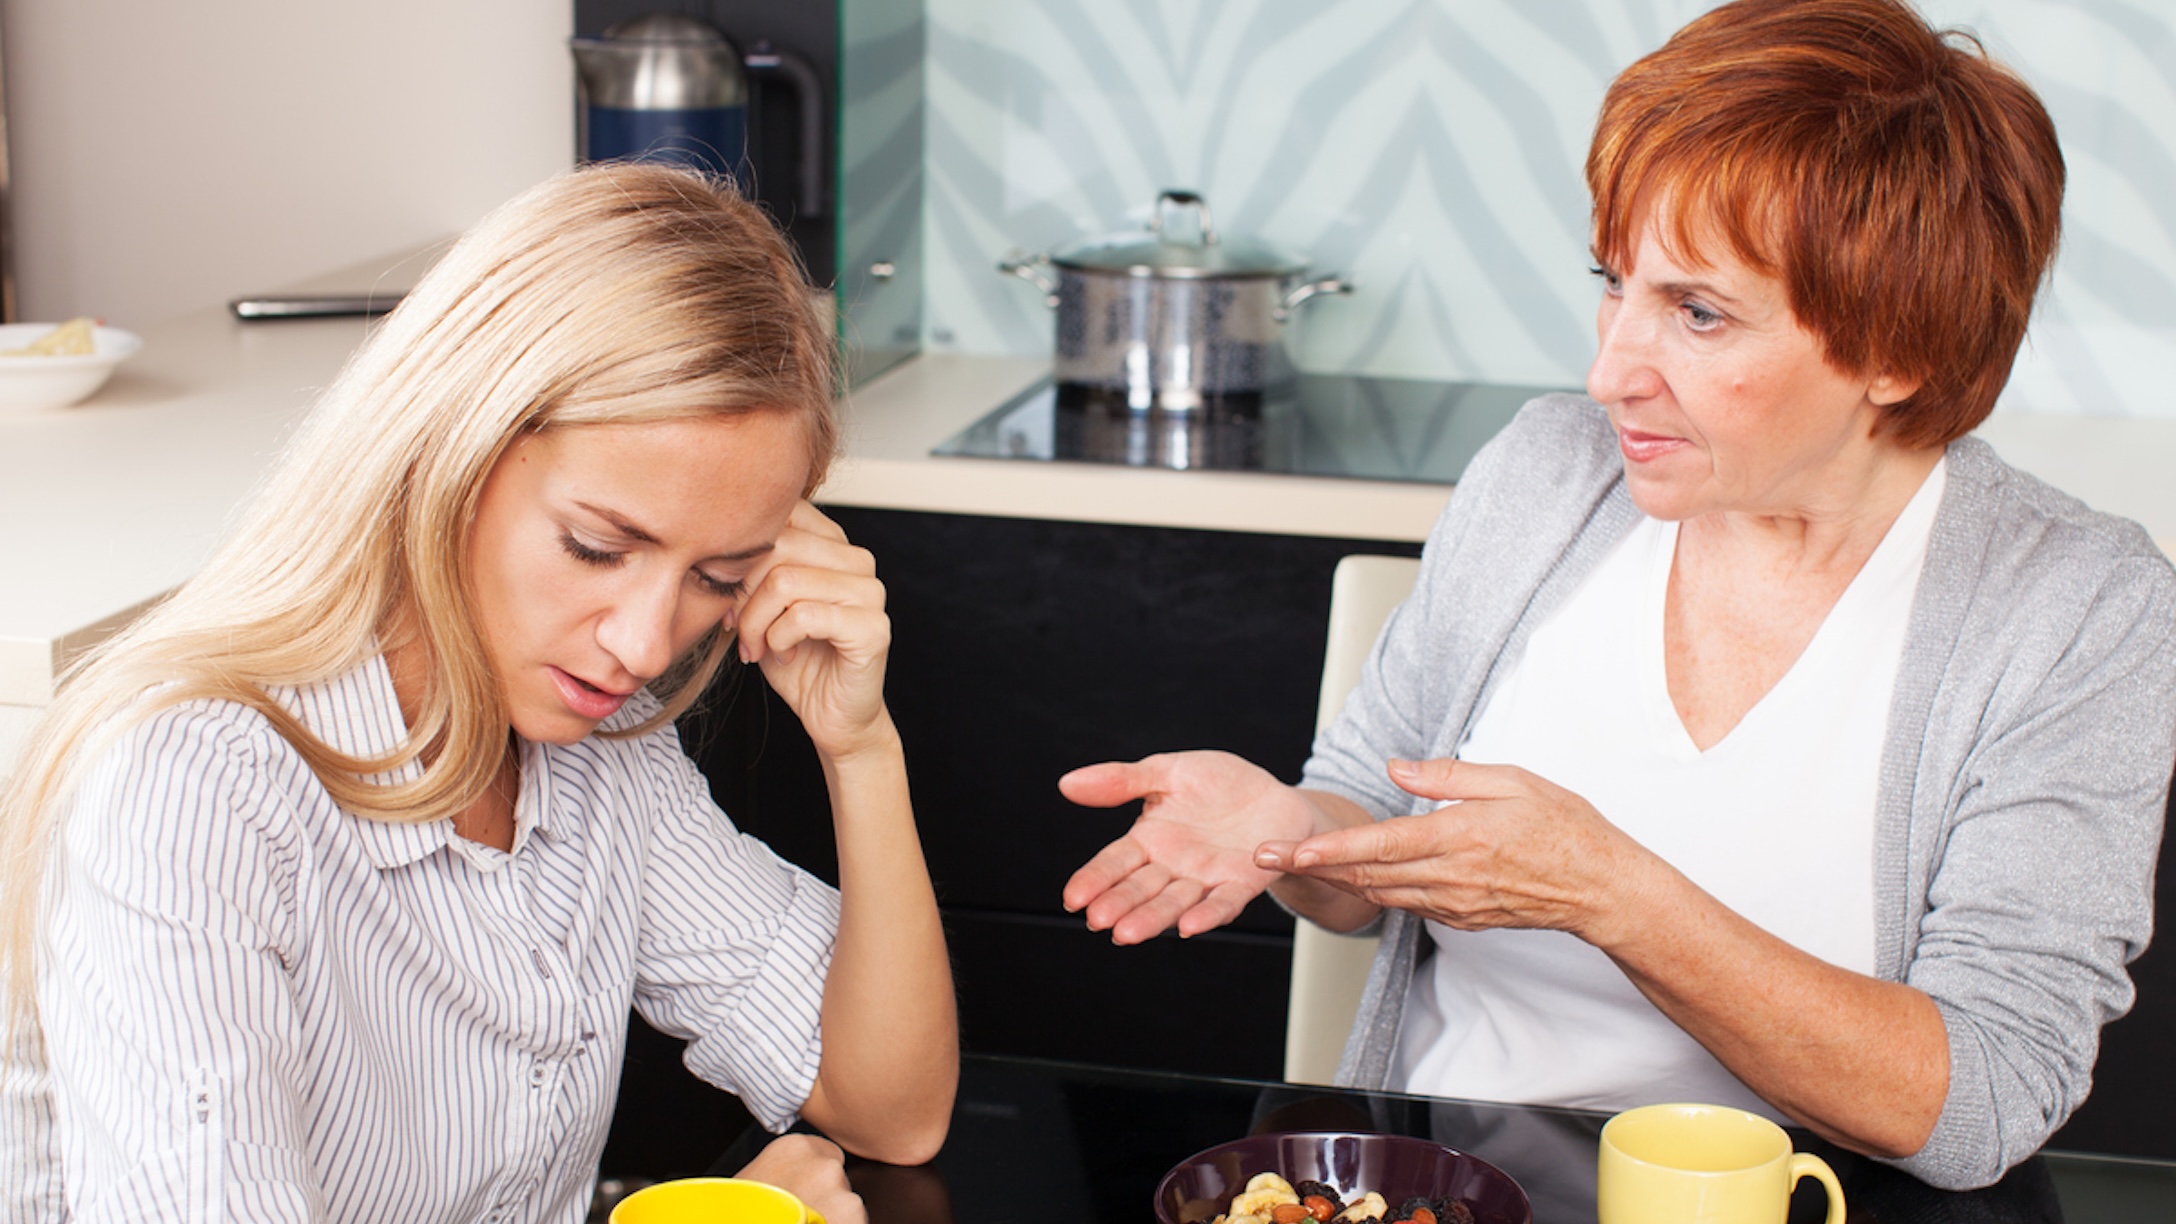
(728, 86)
(668, 87)
(826, 97)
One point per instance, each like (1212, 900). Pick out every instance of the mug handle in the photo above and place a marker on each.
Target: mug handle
(1802, 1165)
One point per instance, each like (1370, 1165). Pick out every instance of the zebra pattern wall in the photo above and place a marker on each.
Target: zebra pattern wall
(1431, 150)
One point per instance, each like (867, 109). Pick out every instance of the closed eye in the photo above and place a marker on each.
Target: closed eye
(598, 557)
(721, 588)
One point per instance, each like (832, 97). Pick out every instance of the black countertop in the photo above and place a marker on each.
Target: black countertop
(1319, 425)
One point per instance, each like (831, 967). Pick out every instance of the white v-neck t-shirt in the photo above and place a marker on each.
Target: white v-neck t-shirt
(1776, 821)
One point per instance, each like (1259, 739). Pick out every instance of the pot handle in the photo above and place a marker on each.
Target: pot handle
(1034, 270)
(1184, 199)
(1328, 284)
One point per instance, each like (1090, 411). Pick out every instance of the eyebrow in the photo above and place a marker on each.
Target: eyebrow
(637, 534)
(1703, 288)
(1673, 288)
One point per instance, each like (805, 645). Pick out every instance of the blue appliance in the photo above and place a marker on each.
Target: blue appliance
(669, 87)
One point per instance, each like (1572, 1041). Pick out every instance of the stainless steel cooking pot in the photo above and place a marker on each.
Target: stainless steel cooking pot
(1173, 318)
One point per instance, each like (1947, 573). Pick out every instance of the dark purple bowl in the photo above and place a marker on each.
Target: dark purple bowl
(1397, 1167)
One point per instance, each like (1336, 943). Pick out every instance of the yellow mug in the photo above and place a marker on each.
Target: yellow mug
(1702, 1164)
(709, 1200)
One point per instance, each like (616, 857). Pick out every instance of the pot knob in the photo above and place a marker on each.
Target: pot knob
(1183, 199)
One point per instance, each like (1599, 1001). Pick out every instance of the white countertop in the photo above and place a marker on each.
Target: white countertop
(117, 500)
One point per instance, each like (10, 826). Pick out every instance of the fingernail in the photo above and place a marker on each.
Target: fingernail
(1306, 858)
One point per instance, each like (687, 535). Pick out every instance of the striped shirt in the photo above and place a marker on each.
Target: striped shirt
(257, 1006)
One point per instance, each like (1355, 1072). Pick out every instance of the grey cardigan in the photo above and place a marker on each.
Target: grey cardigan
(2022, 781)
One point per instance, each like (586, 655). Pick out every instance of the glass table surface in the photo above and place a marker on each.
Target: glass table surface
(1062, 1143)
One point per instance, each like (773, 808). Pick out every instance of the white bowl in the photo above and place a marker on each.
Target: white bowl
(56, 382)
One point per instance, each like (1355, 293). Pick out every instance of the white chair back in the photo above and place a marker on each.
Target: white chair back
(1329, 971)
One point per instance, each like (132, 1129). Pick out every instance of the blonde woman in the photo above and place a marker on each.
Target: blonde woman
(329, 884)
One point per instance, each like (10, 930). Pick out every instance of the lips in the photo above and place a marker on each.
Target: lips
(586, 699)
(1639, 447)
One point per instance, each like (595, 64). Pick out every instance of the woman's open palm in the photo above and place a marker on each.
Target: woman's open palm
(1189, 860)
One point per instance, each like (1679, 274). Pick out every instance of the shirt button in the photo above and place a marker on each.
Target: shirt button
(536, 1075)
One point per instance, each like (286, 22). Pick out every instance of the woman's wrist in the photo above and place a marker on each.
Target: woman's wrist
(1328, 907)
(1628, 901)
(876, 746)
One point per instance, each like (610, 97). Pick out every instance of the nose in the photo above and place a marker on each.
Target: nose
(1623, 366)
(637, 629)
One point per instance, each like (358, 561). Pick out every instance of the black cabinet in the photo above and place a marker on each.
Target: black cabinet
(1021, 649)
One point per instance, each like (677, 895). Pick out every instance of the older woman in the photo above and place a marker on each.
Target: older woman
(331, 881)
(1752, 733)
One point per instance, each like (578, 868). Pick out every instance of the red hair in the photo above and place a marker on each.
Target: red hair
(1906, 189)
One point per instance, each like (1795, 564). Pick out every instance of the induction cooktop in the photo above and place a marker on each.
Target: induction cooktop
(1321, 425)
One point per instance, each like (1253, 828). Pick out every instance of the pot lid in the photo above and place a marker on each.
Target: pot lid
(1161, 251)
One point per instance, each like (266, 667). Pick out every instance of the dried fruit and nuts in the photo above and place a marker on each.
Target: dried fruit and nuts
(1270, 1199)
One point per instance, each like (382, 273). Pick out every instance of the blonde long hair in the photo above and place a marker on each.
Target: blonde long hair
(620, 293)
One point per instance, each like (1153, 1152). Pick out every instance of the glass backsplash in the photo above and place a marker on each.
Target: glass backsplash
(881, 181)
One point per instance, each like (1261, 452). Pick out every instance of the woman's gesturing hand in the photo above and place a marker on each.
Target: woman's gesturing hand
(1509, 850)
(1189, 860)
(814, 620)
